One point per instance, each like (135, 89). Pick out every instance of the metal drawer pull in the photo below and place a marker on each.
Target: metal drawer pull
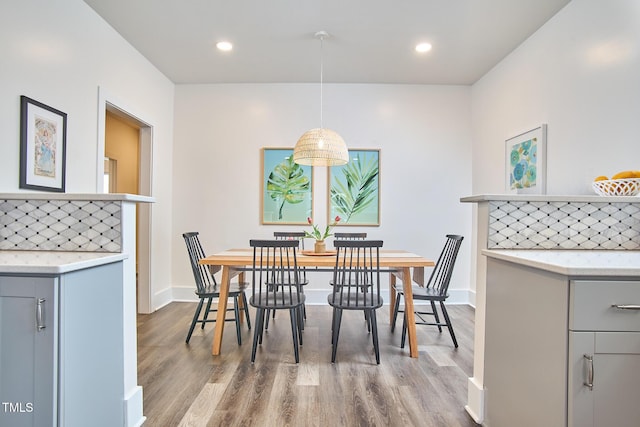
(626, 306)
(40, 314)
(589, 382)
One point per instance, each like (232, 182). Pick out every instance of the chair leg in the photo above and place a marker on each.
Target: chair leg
(404, 330)
(246, 309)
(236, 313)
(206, 312)
(374, 328)
(264, 314)
(195, 319)
(449, 326)
(257, 333)
(300, 313)
(293, 314)
(268, 314)
(396, 307)
(367, 320)
(435, 314)
(336, 333)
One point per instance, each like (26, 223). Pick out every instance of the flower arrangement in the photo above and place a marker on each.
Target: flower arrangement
(315, 233)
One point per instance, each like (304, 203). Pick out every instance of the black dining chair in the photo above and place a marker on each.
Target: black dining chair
(276, 285)
(356, 286)
(207, 289)
(349, 236)
(293, 235)
(435, 290)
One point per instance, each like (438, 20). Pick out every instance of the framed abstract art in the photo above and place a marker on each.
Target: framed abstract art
(525, 160)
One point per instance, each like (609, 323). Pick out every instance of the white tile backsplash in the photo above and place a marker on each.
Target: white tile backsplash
(563, 225)
(61, 225)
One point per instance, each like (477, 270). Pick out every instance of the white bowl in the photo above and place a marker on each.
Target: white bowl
(617, 187)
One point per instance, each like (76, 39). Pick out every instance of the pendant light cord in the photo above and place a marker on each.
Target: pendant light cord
(321, 71)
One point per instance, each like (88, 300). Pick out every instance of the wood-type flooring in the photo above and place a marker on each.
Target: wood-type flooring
(184, 385)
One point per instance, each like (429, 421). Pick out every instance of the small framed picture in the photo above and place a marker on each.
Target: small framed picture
(526, 156)
(43, 139)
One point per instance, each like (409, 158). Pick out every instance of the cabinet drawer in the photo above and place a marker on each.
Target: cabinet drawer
(591, 305)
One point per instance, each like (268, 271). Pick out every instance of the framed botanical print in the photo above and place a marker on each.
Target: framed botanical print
(287, 188)
(43, 139)
(354, 189)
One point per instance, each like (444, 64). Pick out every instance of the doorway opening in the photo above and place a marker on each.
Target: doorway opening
(124, 165)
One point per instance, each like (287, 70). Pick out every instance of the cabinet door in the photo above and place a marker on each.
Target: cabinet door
(28, 354)
(610, 361)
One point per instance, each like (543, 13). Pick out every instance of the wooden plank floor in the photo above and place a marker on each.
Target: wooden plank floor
(185, 386)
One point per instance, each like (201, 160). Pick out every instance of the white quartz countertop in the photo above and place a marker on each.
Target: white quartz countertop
(53, 262)
(32, 195)
(549, 198)
(574, 263)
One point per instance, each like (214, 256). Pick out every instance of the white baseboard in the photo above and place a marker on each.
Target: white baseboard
(133, 408)
(475, 400)
(166, 296)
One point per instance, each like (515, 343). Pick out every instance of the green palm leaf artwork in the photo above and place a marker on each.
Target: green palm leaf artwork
(354, 189)
(288, 184)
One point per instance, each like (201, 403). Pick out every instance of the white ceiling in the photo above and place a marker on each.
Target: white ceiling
(372, 41)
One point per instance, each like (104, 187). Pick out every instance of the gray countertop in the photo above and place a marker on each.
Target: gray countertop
(52, 262)
(574, 262)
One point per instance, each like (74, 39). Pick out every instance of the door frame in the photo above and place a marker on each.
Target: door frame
(108, 102)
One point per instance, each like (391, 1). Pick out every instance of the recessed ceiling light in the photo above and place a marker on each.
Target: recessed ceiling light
(423, 47)
(224, 46)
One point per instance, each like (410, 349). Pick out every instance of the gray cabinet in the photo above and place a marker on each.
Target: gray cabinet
(28, 351)
(604, 349)
(61, 348)
(547, 335)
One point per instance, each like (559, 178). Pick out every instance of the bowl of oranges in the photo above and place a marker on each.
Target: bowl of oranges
(625, 183)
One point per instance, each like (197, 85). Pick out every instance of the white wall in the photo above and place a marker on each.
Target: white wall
(59, 52)
(580, 74)
(423, 133)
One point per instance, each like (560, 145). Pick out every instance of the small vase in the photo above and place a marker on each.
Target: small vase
(320, 247)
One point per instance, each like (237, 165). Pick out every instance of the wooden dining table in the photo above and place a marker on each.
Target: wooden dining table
(398, 263)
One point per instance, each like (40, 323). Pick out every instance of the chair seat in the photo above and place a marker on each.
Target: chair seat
(278, 300)
(354, 302)
(214, 290)
(424, 293)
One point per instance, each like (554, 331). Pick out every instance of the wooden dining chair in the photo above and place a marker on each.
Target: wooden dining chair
(207, 289)
(435, 290)
(275, 285)
(356, 286)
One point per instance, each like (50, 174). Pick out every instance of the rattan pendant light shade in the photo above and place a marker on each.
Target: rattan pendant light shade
(320, 146)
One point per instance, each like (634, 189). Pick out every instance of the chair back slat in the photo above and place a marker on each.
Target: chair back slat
(356, 275)
(275, 276)
(294, 235)
(201, 273)
(442, 272)
(349, 236)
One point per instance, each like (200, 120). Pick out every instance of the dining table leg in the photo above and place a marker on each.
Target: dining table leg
(222, 310)
(409, 312)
